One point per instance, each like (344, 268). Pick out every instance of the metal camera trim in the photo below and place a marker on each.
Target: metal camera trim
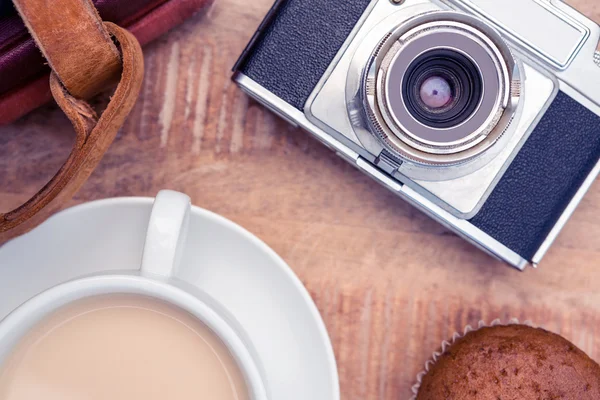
(457, 159)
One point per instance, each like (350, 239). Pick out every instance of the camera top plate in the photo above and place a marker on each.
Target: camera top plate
(513, 18)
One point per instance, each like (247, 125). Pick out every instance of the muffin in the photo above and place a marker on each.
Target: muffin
(513, 362)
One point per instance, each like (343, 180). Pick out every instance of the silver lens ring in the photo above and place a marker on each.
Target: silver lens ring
(456, 45)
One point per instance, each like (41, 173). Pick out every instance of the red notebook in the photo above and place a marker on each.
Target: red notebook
(23, 71)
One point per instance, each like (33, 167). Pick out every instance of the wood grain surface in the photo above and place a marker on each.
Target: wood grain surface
(391, 284)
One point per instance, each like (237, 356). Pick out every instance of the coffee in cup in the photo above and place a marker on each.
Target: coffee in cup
(140, 334)
(121, 347)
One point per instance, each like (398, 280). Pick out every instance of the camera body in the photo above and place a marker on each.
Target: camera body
(483, 114)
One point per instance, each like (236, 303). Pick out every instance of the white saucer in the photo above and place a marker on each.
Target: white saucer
(223, 259)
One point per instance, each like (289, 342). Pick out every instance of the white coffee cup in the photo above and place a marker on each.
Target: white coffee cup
(167, 231)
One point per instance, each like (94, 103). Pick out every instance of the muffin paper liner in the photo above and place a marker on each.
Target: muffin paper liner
(456, 336)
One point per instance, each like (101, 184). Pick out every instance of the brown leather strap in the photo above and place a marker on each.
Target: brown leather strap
(76, 44)
(93, 137)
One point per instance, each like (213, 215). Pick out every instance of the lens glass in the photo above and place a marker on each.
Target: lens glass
(436, 92)
(442, 88)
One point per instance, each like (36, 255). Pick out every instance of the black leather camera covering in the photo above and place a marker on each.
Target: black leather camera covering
(543, 178)
(299, 39)
(296, 43)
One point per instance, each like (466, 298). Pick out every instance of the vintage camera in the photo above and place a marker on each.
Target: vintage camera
(482, 113)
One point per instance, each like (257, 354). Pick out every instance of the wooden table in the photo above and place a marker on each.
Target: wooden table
(391, 284)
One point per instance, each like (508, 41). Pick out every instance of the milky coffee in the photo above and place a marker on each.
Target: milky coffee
(121, 347)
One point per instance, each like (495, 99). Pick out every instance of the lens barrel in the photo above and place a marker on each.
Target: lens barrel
(438, 89)
(463, 78)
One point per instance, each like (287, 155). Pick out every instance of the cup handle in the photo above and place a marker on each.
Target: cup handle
(166, 234)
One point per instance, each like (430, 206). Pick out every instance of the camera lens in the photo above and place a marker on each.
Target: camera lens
(442, 88)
